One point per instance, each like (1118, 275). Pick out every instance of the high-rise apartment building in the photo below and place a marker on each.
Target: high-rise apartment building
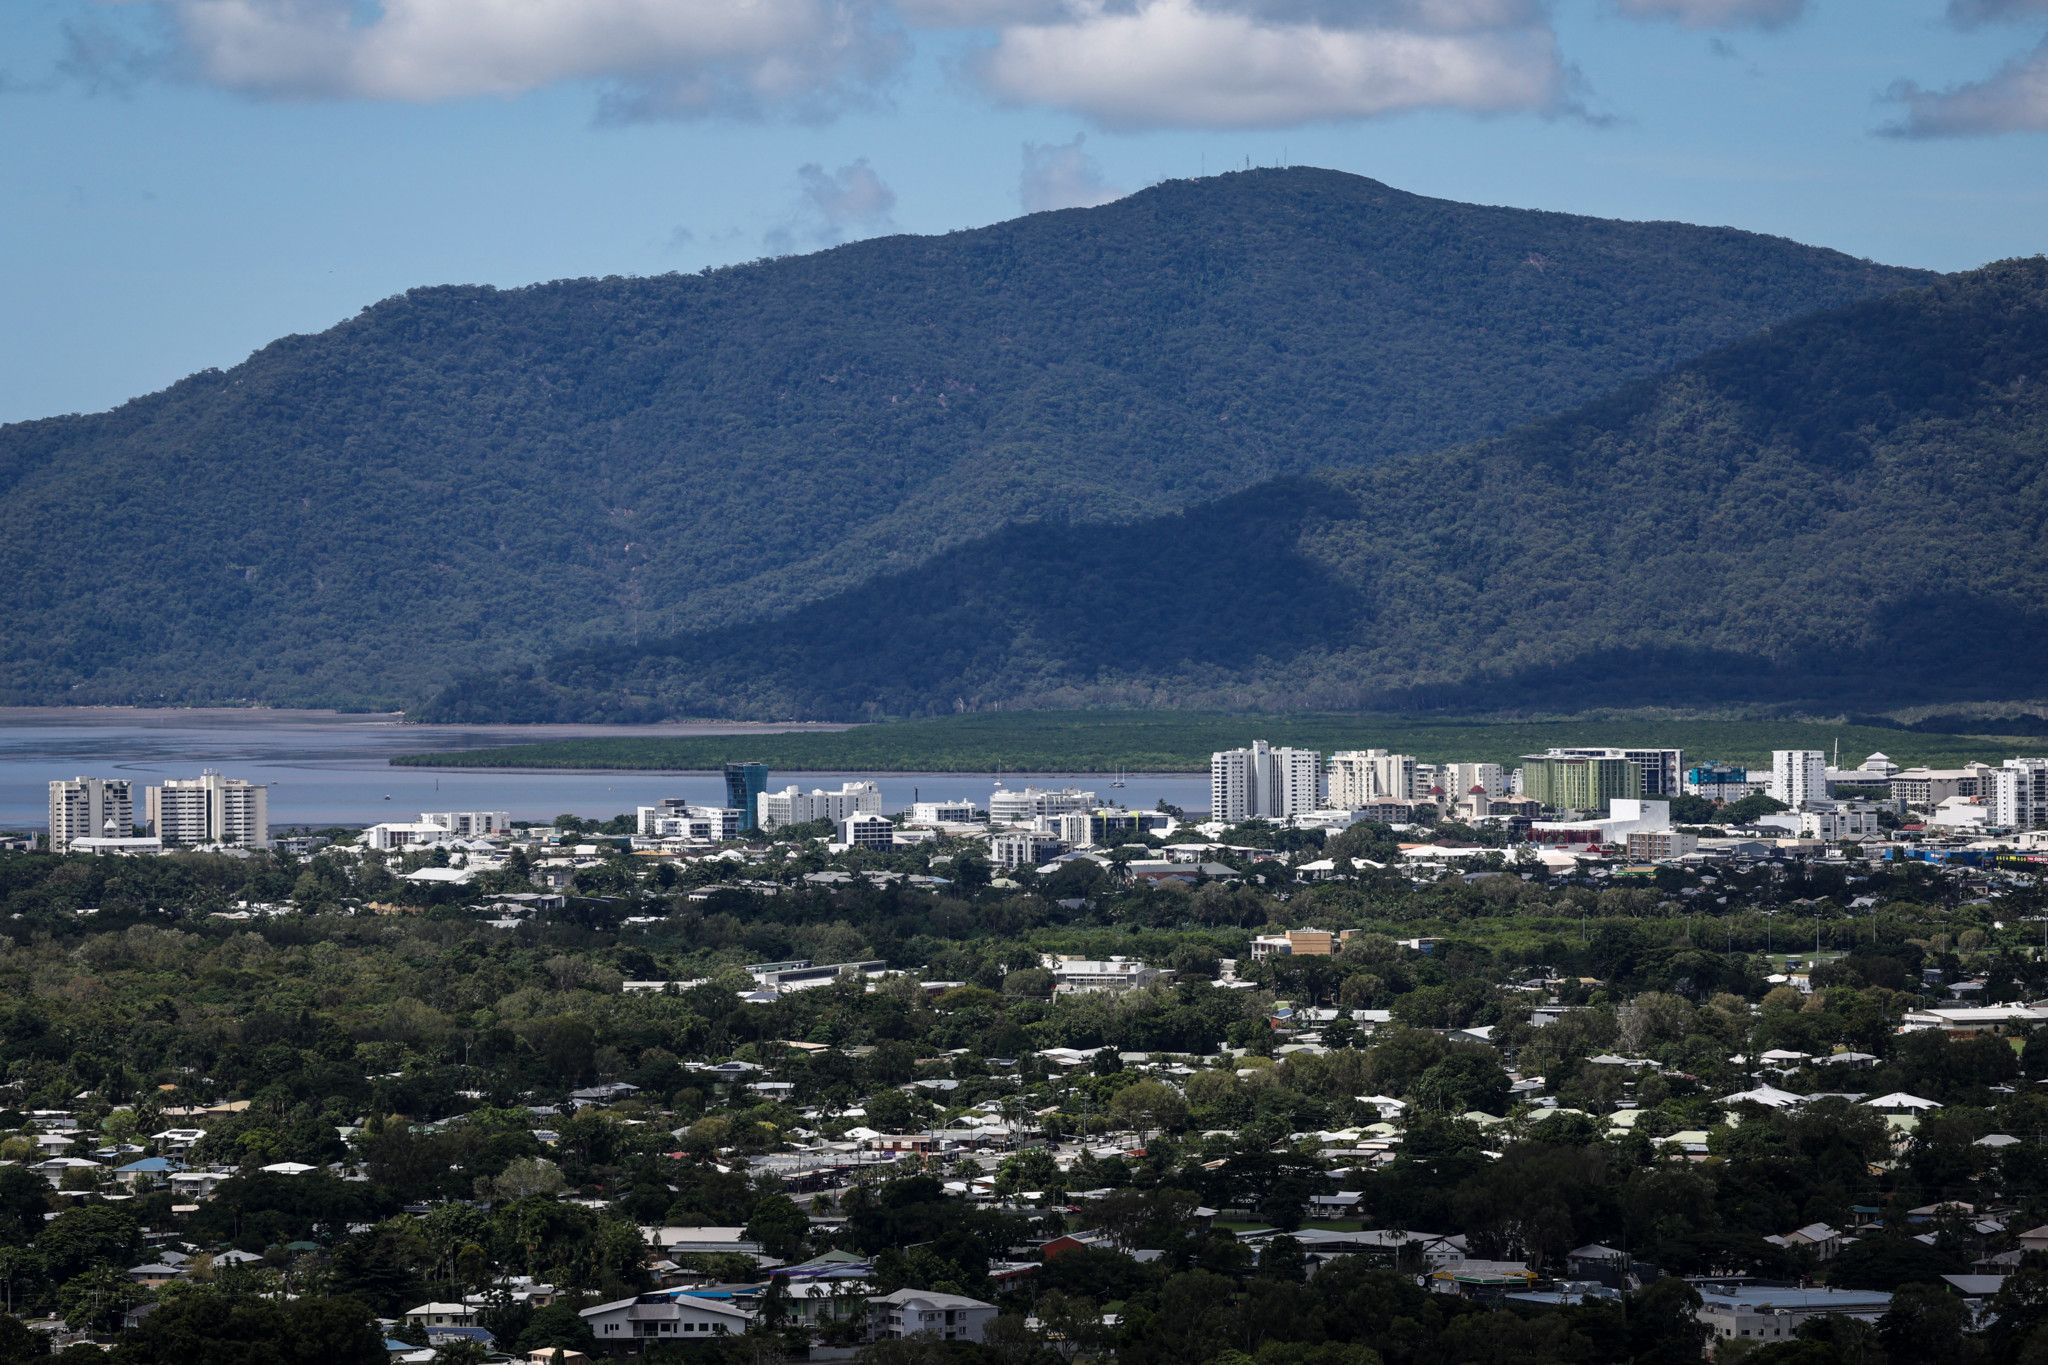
(1799, 776)
(1580, 782)
(90, 808)
(210, 809)
(1264, 783)
(1663, 770)
(2019, 794)
(1363, 777)
(744, 784)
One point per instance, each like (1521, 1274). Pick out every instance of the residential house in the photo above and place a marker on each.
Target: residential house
(627, 1326)
(924, 1313)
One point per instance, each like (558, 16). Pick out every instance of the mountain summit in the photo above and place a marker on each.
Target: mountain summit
(469, 478)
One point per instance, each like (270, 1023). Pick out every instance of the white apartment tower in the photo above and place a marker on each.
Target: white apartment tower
(90, 808)
(210, 809)
(2019, 794)
(1799, 776)
(1264, 783)
(1362, 777)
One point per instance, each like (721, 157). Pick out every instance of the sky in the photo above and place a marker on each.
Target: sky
(182, 181)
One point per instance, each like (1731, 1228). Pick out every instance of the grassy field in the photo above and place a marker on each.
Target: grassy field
(1167, 741)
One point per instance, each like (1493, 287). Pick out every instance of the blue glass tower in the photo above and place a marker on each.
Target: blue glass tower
(744, 782)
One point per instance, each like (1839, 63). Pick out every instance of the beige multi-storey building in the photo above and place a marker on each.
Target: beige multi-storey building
(1458, 779)
(90, 808)
(210, 809)
(1649, 845)
(1362, 777)
(1927, 788)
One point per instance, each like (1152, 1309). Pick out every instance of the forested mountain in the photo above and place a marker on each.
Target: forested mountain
(1851, 508)
(466, 478)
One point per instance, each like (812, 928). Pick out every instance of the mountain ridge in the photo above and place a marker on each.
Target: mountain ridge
(463, 478)
(1851, 508)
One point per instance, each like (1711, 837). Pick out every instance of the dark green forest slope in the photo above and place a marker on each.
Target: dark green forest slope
(1851, 508)
(464, 478)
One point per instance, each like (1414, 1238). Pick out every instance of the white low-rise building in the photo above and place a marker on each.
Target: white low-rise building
(397, 834)
(1771, 1313)
(960, 812)
(1086, 976)
(138, 843)
(876, 833)
(1626, 816)
(1013, 849)
(678, 819)
(630, 1325)
(1838, 820)
(794, 806)
(470, 824)
(1028, 805)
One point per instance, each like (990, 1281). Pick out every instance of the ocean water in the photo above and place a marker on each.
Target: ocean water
(323, 768)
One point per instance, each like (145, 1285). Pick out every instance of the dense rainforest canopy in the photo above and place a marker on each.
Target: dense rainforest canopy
(1848, 508)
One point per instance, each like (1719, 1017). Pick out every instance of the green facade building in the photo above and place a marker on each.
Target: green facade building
(1567, 782)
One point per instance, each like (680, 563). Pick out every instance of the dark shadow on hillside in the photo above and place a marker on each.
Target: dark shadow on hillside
(1931, 648)
(1219, 591)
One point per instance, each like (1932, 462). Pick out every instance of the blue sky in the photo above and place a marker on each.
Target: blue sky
(188, 179)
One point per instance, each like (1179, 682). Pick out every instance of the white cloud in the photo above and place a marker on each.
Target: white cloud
(1433, 16)
(1970, 13)
(1452, 16)
(2013, 99)
(1126, 63)
(1205, 63)
(835, 206)
(1716, 13)
(653, 57)
(982, 13)
(1061, 175)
